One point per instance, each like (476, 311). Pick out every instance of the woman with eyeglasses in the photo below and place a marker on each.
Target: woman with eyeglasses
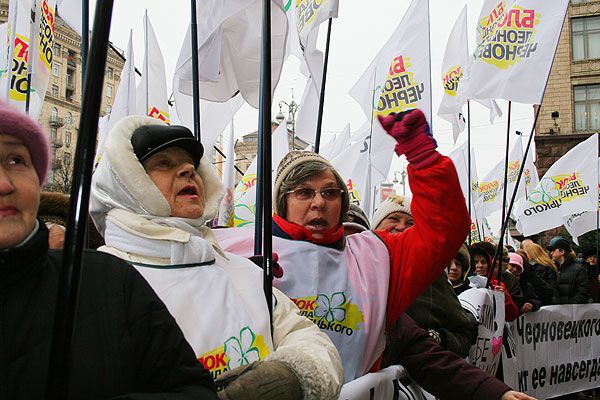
(356, 287)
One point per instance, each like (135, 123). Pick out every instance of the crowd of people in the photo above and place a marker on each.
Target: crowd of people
(170, 308)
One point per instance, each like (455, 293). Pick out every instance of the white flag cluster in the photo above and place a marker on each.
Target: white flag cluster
(569, 187)
(226, 207)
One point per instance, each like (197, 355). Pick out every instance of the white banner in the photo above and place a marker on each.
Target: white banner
(390, 383)
(554, 351)
(488, 308)
(225, 217)
(568, 187)
(516, 40)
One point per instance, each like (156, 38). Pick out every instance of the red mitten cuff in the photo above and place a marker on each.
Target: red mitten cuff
(420, 151)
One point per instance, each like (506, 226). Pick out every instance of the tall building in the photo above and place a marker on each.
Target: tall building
(61, 108)
(571, 107)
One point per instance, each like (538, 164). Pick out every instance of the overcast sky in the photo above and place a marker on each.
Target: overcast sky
(357, 35)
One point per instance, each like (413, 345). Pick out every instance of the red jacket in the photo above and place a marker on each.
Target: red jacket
(420, 253)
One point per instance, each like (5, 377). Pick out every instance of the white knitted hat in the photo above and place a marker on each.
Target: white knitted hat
(392, 204)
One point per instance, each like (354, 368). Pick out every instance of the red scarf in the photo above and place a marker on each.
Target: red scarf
(297, 232)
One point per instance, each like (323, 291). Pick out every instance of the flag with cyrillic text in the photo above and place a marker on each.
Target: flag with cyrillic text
(568, 187)
(516, 42)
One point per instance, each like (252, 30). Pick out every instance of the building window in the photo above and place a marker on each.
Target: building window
(55, 69)
(109, 91)
(68, 119)
(586, 38)
(54, 114)
(66, 158)
(587, 107)
(109, 73)
(55, 90)
(68, 139)
(56, 50)
(53, 134)
(580, 1)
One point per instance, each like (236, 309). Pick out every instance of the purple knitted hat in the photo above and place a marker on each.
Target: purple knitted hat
(18, 124)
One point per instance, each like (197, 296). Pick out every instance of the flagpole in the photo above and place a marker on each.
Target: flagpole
(263, 240)
(518, 181)
(31, 56)
(146, 67)
(70, 277)
(195, 78)
(323, 83)
(469, 161)
(85, 37)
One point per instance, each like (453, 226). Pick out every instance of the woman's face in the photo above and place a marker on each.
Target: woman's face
(172, 171)
(455, 271)
(315, 214)
(481, 265)
(396, 222)
(19, 192)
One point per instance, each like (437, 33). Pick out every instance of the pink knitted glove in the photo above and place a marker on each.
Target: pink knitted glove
(411, 131)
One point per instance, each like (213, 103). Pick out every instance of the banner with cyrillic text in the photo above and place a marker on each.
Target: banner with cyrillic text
(554, 351)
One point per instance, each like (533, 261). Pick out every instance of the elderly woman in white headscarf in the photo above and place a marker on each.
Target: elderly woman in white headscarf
(152, 195)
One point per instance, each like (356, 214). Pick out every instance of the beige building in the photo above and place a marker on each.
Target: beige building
(61, 108)
(571, 107)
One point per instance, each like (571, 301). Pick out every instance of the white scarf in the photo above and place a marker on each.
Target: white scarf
(160, 237)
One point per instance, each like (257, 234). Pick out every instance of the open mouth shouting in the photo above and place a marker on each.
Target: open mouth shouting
(317, 225)
(188, 192)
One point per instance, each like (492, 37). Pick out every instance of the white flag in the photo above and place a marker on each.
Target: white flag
(245, 191)
(583, 222)
(225, 217)
(125, 100)
(568, 187)
(214, 118)
(229, 45)
(152, 98)
(399, 78)
(516, 41)
(491, 188)
(70, 12)
(337, 145)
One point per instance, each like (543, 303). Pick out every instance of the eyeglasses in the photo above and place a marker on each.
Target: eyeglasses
(329, 194)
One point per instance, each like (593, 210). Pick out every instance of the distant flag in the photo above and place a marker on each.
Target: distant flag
(516, 42)
(125, 100)
(339, 143)
(245, 191)
(399, 78)
(226, 207)
(228, 48)
(568, 187)
(152, 98)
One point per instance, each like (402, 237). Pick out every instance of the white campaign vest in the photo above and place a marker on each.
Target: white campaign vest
(220, 307)
(343, 291)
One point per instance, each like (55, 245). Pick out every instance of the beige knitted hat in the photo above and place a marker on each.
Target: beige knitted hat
(392, 204)
(295, 158)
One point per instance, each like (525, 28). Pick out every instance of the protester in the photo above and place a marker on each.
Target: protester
(126, 344)
(543, 266)
(356, 221)
(482, 254)
(573, 285)
(437, 309)
(361, 284)
(152, 195)
(459, 269)
(532, 301)
(590, 260)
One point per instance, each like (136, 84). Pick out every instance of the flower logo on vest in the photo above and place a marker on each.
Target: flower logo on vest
(242, 350)
(331, 309)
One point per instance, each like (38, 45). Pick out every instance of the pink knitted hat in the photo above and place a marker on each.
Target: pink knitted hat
(18, 124)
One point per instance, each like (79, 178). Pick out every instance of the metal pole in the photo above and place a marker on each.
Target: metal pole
(68, 287)
(146, 66)
(323, 83)
(85, 37)
(263, 241)
(195, 77)
(469, 166)
(514, 195)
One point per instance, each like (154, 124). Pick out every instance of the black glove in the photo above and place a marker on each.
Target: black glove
(265, 380)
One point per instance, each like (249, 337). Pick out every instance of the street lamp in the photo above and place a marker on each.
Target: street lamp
(292, 108)
(402, 181)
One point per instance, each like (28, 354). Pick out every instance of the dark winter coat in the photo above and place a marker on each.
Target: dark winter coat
(573, 284)
(126, 344)
(593, 272)
(544, 281)
(439, 309)
(529, 294)
(513, 288)
(440, 372)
